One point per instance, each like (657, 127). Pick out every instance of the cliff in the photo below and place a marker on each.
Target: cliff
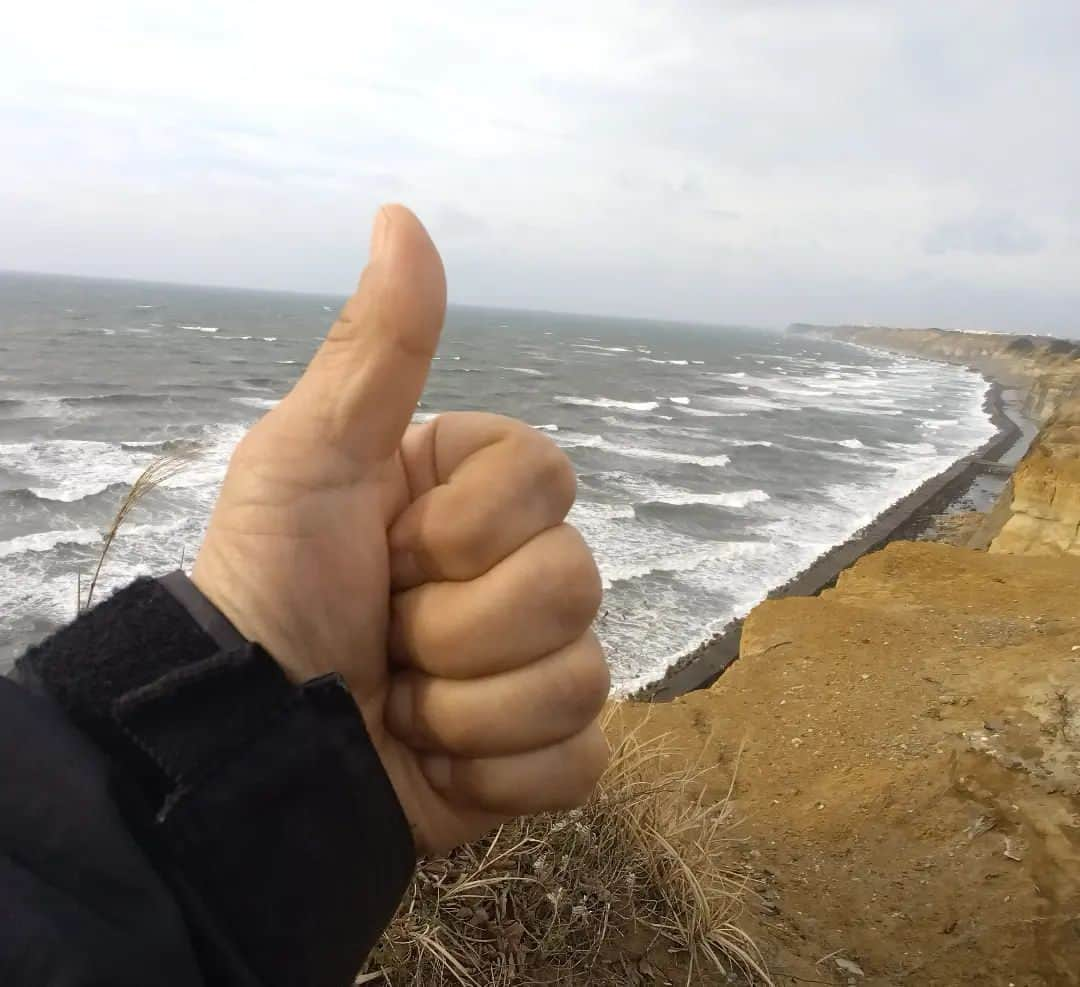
(1041, 510)
(906, 754)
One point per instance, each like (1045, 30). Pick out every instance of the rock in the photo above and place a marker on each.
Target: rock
(849, 966)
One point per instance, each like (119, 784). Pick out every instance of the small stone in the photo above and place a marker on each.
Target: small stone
(1013, 850)
(849, 966)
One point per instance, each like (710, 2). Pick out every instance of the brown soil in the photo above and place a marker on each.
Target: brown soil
(907, 758)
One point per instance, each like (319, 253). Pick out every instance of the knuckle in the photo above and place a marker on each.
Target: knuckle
(435, 709)
(577, 582)
(585, 684)
(461, 735)
(554, 474)
(461, 551)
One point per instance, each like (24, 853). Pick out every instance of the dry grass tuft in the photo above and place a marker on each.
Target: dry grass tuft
(160, 470)
(629, 889)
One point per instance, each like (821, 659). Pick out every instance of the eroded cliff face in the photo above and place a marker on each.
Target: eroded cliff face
(906, 755)
(1050, 391)
(1043, 498)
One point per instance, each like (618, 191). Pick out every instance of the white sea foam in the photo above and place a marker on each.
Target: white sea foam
(734, 498)
(606, 349)
(747, 401)
(681, 563)
(574, 439)
(846, 443)
(202, 328)
(269, 339)
(546, 428)
(674, 363)
(71, 469)
(607, 403)
(264, 404)
(706, 413)
(586, 512)
(46, 541)
(919, 448)
(525, 370)
(933, 424)
(679, 400)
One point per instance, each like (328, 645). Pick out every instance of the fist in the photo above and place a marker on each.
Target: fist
(430, 566)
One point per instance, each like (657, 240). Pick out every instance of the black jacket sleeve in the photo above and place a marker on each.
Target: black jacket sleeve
(174, 812)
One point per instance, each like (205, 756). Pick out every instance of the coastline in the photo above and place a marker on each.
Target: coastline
(700, 668)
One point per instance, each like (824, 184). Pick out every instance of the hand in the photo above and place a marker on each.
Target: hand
(428, 565)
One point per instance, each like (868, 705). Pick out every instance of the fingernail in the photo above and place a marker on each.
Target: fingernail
(380, 232)
(437, 769)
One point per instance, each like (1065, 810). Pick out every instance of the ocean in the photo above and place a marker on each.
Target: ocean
(714, 462)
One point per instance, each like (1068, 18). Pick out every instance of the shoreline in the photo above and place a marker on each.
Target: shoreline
(700, 668)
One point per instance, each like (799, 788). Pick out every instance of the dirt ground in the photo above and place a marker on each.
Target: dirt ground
(906, 753)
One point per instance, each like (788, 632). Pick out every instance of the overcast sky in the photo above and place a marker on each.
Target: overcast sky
(752, 162)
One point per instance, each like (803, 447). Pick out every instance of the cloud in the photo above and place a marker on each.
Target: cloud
(1000, 233)
(749, 161)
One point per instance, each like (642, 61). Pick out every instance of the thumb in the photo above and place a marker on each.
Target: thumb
(362, 385)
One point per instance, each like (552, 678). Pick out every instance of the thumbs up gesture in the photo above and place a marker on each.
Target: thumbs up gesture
(428, 565)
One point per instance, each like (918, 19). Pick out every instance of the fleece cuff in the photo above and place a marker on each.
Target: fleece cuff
(268, 799)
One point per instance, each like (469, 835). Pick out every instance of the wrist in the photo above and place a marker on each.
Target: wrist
(220, 587)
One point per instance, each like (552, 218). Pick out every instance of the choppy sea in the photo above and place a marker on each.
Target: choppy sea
(715, 462)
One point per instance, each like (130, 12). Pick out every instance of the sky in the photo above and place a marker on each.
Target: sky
(753, 162)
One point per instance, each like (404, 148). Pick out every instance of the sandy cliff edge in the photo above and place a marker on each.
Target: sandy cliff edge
(907, 757)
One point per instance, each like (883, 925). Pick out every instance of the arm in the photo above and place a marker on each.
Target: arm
(173, 811)
(429, 569)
